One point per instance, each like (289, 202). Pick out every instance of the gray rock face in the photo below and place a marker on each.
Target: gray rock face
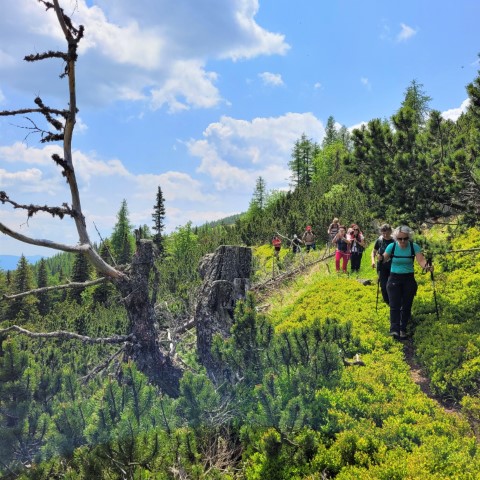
(225, 275)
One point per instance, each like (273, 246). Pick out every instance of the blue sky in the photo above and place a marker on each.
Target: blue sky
(202, 97)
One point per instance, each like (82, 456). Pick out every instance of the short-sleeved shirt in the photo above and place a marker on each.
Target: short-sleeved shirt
(402, 261)
(382, 243)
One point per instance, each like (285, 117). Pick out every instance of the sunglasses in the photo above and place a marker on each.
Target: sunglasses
(402, 239)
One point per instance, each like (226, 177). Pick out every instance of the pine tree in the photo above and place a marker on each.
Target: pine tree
(81, 273)
(302, 164)
(122, 238)
(260, 193)
(22, 425)
(44, 302)
(416, 99)
(22, 309)
(331, 133)
(158, 218)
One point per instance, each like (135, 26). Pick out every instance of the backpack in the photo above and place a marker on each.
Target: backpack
(383, 244)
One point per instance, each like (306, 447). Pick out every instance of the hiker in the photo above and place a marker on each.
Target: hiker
(342, 249)
(357, 246)
(308, 238)
(383, 268)
(296, 242)
(333, 229)
(277, 244)
(401, 284)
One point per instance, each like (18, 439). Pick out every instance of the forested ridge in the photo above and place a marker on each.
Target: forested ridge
(101, 374)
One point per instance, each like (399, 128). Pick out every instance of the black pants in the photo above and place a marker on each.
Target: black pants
(401, 289)
(383, 274)
(355, 260)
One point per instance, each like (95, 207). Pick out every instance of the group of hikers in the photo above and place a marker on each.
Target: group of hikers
(393, 255)
(349, 244)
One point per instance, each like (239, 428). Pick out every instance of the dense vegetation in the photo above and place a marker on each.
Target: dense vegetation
(289, 405)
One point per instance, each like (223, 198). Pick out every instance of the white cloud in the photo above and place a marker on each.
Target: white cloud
(356, 126)
(20, 152)
(191, 83)
(148, 51)
(235, 152)
(454, 113)
(274, 79)
(366, 83)
(406, 32)
(103, 184)
(317, 85)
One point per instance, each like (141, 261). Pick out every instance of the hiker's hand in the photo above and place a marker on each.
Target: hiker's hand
(373, 263)
(429, 268)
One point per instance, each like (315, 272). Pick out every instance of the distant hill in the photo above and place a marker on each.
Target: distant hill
(9, 262)
(225, 221)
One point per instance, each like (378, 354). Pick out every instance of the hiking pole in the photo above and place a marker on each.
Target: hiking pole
(378, 289)
(432, 278)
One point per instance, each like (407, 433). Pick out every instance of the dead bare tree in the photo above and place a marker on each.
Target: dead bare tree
(142, 339)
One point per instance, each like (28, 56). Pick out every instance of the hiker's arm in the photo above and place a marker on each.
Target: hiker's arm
(384, 257)
(374, 254)
(422, 261)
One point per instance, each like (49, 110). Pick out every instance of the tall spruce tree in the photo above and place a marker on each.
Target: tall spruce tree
(82, 271)
(22, 309)
(260, 194)
(331, 133)
(416, 99)
(302, 164)
(44, 302)
(158, 218)
(122, 237)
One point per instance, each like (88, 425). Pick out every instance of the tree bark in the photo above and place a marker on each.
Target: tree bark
(226, 279)
(145, 349)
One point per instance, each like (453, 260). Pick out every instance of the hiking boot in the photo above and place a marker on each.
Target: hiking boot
(403, 334)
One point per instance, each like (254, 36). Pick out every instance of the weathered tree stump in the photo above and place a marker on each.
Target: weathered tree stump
(145, 348)
(225, 275)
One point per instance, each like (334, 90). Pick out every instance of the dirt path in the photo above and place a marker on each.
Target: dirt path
(419, 377)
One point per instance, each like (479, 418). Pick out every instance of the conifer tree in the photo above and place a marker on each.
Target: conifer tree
(302, 165)
(122, 238)
(158, 218)
(22, 425)
(105, 292)
(24, 308)
(260, 194)
(416, 99)
(81, 273)
(331, 133)
(42, 281)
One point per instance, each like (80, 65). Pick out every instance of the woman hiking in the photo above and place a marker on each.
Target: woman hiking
(342, 251)
(401, 284)
(383, 268)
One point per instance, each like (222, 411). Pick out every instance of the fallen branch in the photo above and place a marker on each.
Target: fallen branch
(55, 287)
(67, 335)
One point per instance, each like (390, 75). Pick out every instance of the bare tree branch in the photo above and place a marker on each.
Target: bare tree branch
(67, 335)
(22, 111)
(102, 366)
(96, 260)
(43, 242)
(65, 286)
(32, 209)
